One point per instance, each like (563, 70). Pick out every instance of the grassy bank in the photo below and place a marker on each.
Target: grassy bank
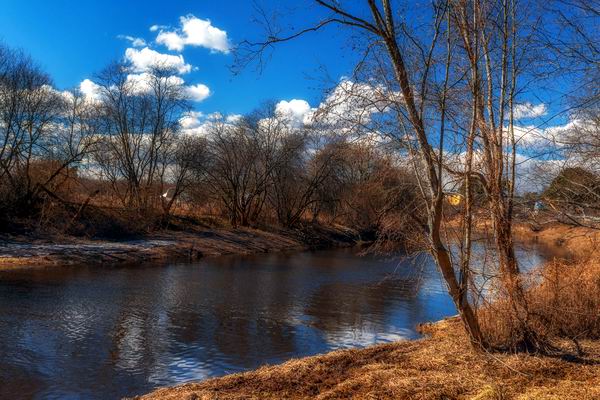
(185, 242)
(437, 367)
(440, 366)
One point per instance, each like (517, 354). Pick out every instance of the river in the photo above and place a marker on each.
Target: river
(76, 332)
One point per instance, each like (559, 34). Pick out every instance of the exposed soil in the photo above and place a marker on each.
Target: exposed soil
(191, 244)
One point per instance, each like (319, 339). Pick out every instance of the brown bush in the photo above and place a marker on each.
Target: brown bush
(569, 298)
(562, 302)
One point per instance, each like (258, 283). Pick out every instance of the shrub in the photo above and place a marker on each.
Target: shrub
(563, 302)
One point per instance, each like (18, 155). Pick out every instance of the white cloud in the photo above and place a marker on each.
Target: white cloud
(560, 133)
(349, 109)
(528, 110)
(146, 58)
(171, 39)
(90, 90)
(197, 92)
(155, 28)
(196, 123)
(351, 106)
(142, 82)
(135, 41)
(528, 169)
(193, 32)
(191, 121)
(534, 174)
(233, 118)
(299, 112)
(552, 137)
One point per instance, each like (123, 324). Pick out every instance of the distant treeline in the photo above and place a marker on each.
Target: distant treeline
(65, 154)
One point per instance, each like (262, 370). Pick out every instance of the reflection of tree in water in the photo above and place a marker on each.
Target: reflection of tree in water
(139, 339)
(228, 315)
(338, 306)
(252, 313)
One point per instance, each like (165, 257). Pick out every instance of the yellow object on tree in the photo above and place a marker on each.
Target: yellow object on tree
(454, 198)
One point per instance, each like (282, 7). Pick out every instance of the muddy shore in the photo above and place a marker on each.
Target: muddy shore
(27, 252)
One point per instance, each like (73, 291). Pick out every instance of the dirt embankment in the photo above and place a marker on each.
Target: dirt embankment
(180, 245)
(439, 366)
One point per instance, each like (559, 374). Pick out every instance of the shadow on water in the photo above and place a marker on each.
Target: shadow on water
(78, 332)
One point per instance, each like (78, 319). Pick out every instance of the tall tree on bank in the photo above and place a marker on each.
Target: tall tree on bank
(476, 40)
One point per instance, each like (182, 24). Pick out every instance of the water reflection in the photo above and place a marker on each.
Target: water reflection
(77, 332)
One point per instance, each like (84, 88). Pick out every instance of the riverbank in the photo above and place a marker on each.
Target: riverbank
(172, 245)
(436, 367)
(573, 242)
(439, 366)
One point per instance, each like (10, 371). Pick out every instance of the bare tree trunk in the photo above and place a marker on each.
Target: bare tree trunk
(459, 297)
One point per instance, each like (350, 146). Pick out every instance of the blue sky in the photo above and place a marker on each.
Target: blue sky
(73, 40)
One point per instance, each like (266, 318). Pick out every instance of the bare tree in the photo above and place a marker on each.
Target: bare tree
(382, 29)
(141, 123)
(44, 133)
(243, 156)
(470, 50)
(307, 162)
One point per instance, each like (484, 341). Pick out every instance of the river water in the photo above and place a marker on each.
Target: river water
(107, 332)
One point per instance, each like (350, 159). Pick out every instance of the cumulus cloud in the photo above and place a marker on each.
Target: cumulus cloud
(355, 103)
(233, 118)
(135, 41)
(560, 133)
(90, 90)
(143, 60)
(536, 138)
(534, 174)
(530, 170)
(355, 109)
(146, 58)
(191, 121)
(197, 92)
(528, 110)
(298, 112)
(196, 123)
(193, 32)
(142, 83)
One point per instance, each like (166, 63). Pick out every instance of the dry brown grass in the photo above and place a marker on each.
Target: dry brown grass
(563, 295)
(562, 303)
(568, 299)
(580, 243)
(437, 367)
